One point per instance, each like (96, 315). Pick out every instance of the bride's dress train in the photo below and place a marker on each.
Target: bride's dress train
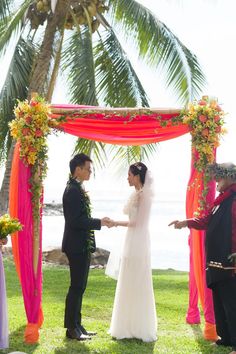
(134, 311)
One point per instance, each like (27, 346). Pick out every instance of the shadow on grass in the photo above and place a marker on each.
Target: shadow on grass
(207, 346)
(72, 347)
(17, 343)
(130, 346)
(198, 334)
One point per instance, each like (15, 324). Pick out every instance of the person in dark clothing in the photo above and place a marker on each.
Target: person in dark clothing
(220, 246)
(78, 242)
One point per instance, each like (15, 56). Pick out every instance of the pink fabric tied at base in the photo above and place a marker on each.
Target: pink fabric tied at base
(31, 283)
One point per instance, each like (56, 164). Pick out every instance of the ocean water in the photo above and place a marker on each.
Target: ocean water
(169, 247)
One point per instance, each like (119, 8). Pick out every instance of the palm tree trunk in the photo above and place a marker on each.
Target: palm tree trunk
(42, 67)
(38, 82)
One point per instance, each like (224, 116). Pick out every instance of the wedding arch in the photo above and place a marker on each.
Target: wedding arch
(35, 119)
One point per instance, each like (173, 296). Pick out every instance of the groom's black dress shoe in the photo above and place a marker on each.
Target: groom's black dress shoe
(76, 334)
(223, 342)
(88, 333)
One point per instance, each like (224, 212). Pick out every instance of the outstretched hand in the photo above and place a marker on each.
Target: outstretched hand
(179, 224)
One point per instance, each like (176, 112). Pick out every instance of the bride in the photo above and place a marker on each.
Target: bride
(134, 312)
(3, 303)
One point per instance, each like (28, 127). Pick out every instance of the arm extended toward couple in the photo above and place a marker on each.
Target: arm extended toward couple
(220, 250)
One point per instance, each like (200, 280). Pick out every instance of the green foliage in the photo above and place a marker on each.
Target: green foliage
(117, 83)
(78, 63)
(159, 47)
(12, 25)
(15, 87)
(171, 294)
(97, 67)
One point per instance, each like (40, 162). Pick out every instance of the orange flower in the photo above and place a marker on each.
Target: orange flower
(26, 131)
(205, 132)
(28, 119)
(32, 149)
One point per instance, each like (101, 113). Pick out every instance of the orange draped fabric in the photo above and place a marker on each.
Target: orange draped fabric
(197, 276)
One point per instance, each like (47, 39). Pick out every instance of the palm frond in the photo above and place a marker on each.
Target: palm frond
(10, 25)
(158, 46)
(124, 156)
(94, 149)
(78, 64)
(117, 82)
(4, 8)
(15, 87)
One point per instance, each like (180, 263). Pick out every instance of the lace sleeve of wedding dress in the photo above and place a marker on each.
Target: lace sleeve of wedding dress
(140, 225)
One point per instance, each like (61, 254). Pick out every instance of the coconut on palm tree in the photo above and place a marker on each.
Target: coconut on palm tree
(81, 39)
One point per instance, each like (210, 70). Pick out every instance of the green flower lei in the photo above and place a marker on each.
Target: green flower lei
(87, 204)
(91, 239)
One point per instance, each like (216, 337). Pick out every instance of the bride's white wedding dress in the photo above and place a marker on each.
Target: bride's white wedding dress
(134, 312)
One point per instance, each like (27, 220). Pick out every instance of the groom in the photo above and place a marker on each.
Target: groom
(78, 243)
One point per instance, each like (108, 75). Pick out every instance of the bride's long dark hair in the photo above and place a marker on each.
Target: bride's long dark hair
(140, 169)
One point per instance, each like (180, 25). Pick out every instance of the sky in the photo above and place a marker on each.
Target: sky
(206, 27)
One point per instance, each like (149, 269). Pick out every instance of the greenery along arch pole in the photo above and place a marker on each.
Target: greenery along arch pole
(124, 126)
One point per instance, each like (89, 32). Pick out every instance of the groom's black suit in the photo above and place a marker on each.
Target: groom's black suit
(78, 242)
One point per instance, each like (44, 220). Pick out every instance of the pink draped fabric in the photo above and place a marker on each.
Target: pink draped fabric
(31, 283)
(138, 129)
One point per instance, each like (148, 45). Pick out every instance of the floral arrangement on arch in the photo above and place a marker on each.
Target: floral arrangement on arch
(205, 119)
(8, 225)
(31, 127)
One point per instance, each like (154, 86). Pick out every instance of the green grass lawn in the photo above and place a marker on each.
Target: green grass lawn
(171, 293)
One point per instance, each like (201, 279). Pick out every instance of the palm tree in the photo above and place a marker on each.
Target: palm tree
(79, 38)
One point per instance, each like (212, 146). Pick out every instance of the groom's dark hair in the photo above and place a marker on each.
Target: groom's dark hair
(78, 160)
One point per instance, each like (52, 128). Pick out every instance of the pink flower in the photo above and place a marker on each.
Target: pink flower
(216, 118)
(202, 103)
(218, 108)
(38, 133)
(202, 118)
(33, 103)
(218, 129)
